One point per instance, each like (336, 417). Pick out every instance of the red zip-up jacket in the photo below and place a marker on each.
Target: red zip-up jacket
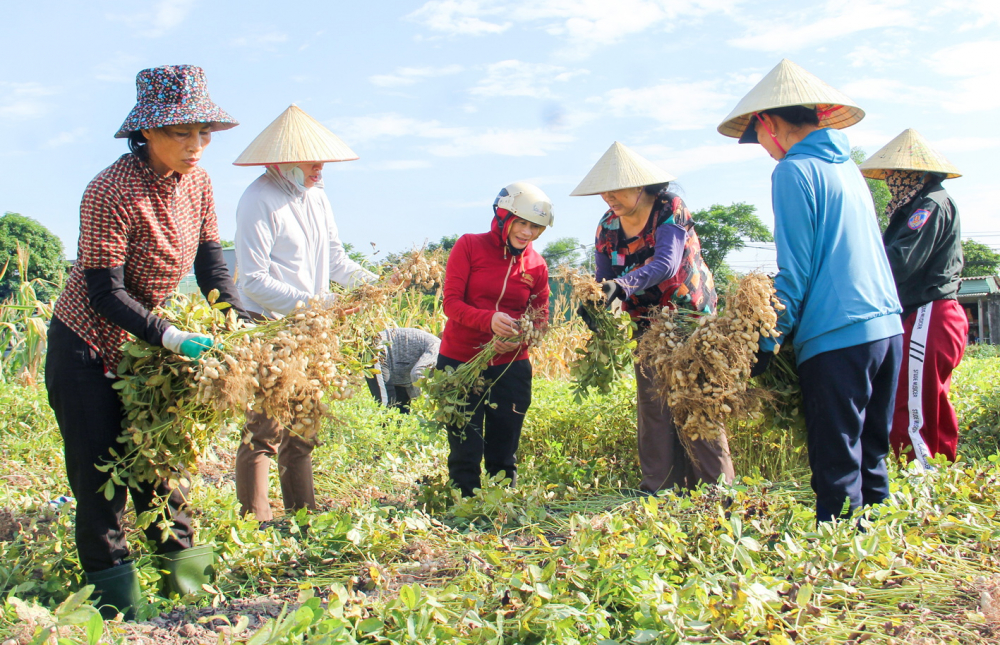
(483, 277)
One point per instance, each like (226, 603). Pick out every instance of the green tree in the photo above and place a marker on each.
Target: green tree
(445, 243)
(878, 189)
(561, 252)
(355, 255)
(724, 229)
(980, 259)
(45, 263)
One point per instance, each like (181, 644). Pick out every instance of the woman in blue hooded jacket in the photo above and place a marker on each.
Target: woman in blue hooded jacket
(842, 313)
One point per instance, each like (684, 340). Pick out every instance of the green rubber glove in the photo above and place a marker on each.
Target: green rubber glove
(193, 347)
(186, 343)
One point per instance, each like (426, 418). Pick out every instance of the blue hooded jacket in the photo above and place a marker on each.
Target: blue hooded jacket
(833, 275)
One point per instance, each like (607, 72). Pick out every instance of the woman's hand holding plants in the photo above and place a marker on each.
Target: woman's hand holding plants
(505, 326)
(612, 291)
(186, 343)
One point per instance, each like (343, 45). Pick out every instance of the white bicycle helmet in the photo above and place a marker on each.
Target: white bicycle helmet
(526, 201)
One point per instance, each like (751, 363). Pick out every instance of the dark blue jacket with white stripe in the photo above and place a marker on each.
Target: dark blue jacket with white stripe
(924, 245)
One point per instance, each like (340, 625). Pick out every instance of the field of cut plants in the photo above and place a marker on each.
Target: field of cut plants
(571, 555)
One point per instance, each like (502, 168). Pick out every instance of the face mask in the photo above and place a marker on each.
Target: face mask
(293, 173)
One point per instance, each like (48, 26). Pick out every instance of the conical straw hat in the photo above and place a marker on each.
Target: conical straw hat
(619, 168)
(908, 151)
(787, 85)
(294, 137)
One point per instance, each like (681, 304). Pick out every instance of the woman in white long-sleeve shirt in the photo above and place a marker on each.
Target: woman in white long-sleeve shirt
(287, 251)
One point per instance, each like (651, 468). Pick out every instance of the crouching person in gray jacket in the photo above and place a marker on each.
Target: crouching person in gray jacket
(406, 354)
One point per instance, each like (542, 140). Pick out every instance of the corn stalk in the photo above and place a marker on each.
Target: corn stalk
(23, 326)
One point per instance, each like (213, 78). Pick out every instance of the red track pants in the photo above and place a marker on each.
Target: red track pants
(947, 332)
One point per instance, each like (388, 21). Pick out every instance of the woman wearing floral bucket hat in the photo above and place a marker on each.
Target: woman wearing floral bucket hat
(833, 277)
(648, 254)
(288, 250)
(144, 221)
(924, 245)
(491, 280)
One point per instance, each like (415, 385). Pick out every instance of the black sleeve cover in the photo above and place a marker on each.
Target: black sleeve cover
(108, 297)
(211, 272)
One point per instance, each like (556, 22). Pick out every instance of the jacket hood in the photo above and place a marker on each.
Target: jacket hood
(827, 144)
(502, 219)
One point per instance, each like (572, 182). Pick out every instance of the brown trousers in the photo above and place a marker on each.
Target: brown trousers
(663, 459)
(253, 461)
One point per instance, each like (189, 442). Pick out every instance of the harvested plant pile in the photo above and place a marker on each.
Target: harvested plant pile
(700, 364)
(176, 407)
(449, 393)
(608, 352)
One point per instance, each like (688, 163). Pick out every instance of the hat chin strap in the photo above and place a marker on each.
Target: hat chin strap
(770, 133)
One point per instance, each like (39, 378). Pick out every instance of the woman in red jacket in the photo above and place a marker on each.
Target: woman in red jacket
(491, 280)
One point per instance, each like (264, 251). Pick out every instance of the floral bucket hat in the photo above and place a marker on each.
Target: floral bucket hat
(171, 95)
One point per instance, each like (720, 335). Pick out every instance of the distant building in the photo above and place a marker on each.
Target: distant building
(980, 297)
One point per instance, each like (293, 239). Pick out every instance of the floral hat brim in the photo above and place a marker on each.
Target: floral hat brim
(172, 95)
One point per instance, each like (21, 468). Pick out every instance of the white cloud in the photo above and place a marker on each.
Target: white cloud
(482, 203)
(454, 141)
(869, 139)
(166, 15)
(677, 105)
(803, 29)
(171, 13)
(460, 17)
(380, 126)
(966, 144)
(584, 24)
(975, 65)
(257, 41)
(411, 75)
(687, 160)
(122, 68)
(984, 12)
(877, 58)
(901, 93)
(547, 180)
(978, 203)
(24, 100)
(401, 164)
(518, 78)
(971, 65)
(65, 138)
(513, 143)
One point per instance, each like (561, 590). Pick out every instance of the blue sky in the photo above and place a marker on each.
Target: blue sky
(447, 101)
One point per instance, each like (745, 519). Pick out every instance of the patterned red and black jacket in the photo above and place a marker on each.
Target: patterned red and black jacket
(152, 226)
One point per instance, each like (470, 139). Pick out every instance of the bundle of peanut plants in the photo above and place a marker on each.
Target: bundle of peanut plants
(700, 363)
(452, 395)
(176, 407)
(608, 352)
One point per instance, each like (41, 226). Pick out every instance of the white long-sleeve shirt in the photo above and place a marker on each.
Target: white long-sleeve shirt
(287, 247)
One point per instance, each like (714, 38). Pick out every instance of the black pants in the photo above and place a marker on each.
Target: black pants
(391, 396)
(89, 414)
(849, 396)
(493, 433)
